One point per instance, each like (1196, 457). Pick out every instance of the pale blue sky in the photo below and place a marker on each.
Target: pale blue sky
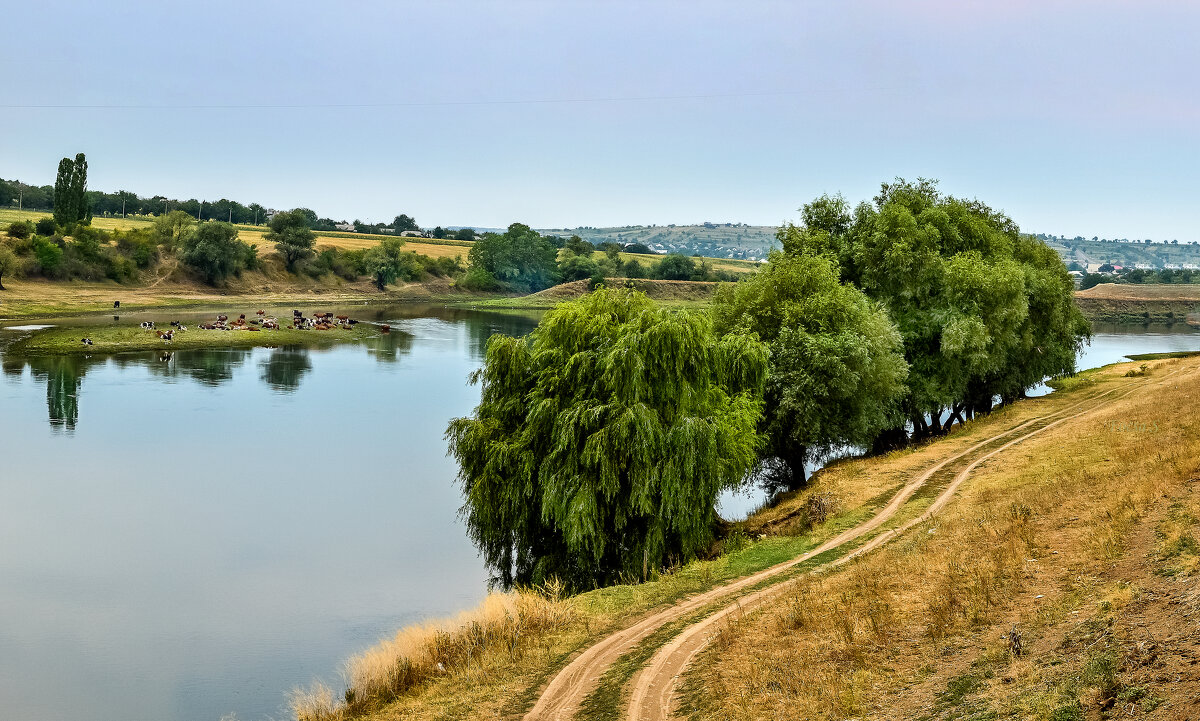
(1074, 117)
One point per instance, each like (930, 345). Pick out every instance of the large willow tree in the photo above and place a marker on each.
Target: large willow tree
(983, 311)
(837, 362)
(603, 438)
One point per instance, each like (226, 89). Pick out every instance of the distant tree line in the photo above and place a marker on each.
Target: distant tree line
(209, 250)
(522, 260)
(124, 202)
(1140, 276)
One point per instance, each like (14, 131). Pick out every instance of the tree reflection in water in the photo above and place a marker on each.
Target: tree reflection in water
(283, 369)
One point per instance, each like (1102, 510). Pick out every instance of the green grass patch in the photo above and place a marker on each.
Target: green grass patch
(67, 340)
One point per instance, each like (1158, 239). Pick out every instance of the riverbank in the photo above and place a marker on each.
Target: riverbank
(1075, 451)
(69, 340)
(44, 298)
(1128, 303)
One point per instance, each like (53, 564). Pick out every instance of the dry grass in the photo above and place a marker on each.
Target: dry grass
(499, 630)
(920, 628)
(1150, 291)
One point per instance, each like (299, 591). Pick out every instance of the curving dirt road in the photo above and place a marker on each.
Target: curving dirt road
(654, 686)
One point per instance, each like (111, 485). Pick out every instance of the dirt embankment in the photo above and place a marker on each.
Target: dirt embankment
(668, 290)
(40, 298)
(1121, 303)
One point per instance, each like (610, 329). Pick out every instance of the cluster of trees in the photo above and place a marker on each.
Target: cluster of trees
(1140, 276)
(71, 202)
(211, 249)
(521, 259)
(602, 440)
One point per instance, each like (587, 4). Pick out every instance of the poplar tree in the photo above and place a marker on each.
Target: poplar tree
(70, 192)
(603, 438)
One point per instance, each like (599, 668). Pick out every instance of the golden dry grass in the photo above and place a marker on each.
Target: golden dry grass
(918, 628)
(498, 631)
(856, 638)
(1127, 291)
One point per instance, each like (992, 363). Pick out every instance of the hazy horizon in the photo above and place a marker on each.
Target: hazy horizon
(1073, 118)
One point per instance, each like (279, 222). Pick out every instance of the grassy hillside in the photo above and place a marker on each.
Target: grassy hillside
(1121, 303)
(432, 247)
(1129, 255)
(1053, 541)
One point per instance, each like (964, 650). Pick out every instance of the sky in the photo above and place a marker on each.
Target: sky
(1072, 117)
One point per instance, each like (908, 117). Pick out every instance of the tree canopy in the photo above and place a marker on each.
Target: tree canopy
(384, 262)
(602, 439)
(837, 364)
(292, 235)
(519, 258)
(213, 249)
(982, 310)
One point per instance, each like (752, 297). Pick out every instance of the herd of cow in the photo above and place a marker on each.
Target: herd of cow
(318, 321)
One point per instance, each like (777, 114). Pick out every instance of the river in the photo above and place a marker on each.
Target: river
(187, 536)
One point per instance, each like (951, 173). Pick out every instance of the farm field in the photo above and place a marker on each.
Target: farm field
(432, 247)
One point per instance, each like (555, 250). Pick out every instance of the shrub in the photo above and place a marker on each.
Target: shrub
(49, 256)
(20, 230)
(577, 267)
(214, 250)
(46, 226)
(596, 281)
(479, 279)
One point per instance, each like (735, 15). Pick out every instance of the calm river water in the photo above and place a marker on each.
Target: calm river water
(187, 537)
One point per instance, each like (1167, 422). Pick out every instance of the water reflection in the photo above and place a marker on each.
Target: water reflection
(63, 376)
(283, 369)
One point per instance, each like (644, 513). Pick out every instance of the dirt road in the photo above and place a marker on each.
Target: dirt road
(654, 686)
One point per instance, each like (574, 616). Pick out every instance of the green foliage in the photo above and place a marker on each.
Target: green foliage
(403, 222)
(214, 250)
(579, 246)
(837, 364)
(293, 236)
(675, 267)
(8, 264)
(477, 278)
(46, 226)
(602, 439)
(20, 229)
(385, 262)
(983, 310)
(634, 269)
(172, 228)
(71, 203)
(140, 245)
(576, 267)
(519, 258)
(49, 256)
(464, 234)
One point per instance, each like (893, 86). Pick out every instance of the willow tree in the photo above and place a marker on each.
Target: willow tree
(836, 364)
(603, 438)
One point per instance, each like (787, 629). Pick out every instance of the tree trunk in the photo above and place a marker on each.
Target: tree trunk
(796, 477)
